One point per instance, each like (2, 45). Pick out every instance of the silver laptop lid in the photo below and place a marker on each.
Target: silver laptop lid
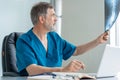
(110, 63)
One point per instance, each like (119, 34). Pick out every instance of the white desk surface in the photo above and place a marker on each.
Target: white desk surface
(37, 78)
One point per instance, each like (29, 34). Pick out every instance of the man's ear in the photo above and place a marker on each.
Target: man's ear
(41, 19)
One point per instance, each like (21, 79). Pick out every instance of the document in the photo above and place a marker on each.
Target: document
(40, 77)
(61, 76)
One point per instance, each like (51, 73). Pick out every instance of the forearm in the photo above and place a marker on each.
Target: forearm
(35, 69)
(83, 48)
(86, 47)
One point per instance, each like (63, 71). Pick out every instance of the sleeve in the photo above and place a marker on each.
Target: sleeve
(68, 49)
(24, 54)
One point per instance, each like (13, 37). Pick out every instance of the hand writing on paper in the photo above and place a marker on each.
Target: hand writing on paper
(73, 66)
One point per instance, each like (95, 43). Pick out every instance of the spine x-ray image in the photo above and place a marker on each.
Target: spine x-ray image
(112, 8)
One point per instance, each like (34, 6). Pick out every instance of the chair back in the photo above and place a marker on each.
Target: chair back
(9, 54)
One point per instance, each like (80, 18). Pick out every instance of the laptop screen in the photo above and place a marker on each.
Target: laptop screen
(110, 62)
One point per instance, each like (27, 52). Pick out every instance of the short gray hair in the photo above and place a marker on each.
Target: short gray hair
(40, 9)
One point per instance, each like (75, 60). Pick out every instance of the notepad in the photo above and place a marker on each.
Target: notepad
(61, 76)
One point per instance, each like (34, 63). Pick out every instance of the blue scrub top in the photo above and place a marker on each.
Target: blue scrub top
(29, 50)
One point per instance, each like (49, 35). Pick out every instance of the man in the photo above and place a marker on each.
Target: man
(41, 50)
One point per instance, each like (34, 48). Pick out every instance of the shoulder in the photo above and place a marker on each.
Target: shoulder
(27, 37)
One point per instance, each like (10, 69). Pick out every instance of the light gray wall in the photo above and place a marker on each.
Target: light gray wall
(14, 17)
(83, 21)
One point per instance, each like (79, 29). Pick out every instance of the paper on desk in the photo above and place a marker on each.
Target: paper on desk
(40, 77)
(61, 76)
(75, 75)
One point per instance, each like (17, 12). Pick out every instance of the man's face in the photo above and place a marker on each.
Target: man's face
(50, 19)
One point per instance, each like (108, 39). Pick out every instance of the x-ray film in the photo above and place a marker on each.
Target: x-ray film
(112, 8)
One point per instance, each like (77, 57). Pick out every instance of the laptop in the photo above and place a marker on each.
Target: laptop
(110, 63)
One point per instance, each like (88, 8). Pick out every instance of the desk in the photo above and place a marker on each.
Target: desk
(57, 76)
(25, 78)
(12, 78)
